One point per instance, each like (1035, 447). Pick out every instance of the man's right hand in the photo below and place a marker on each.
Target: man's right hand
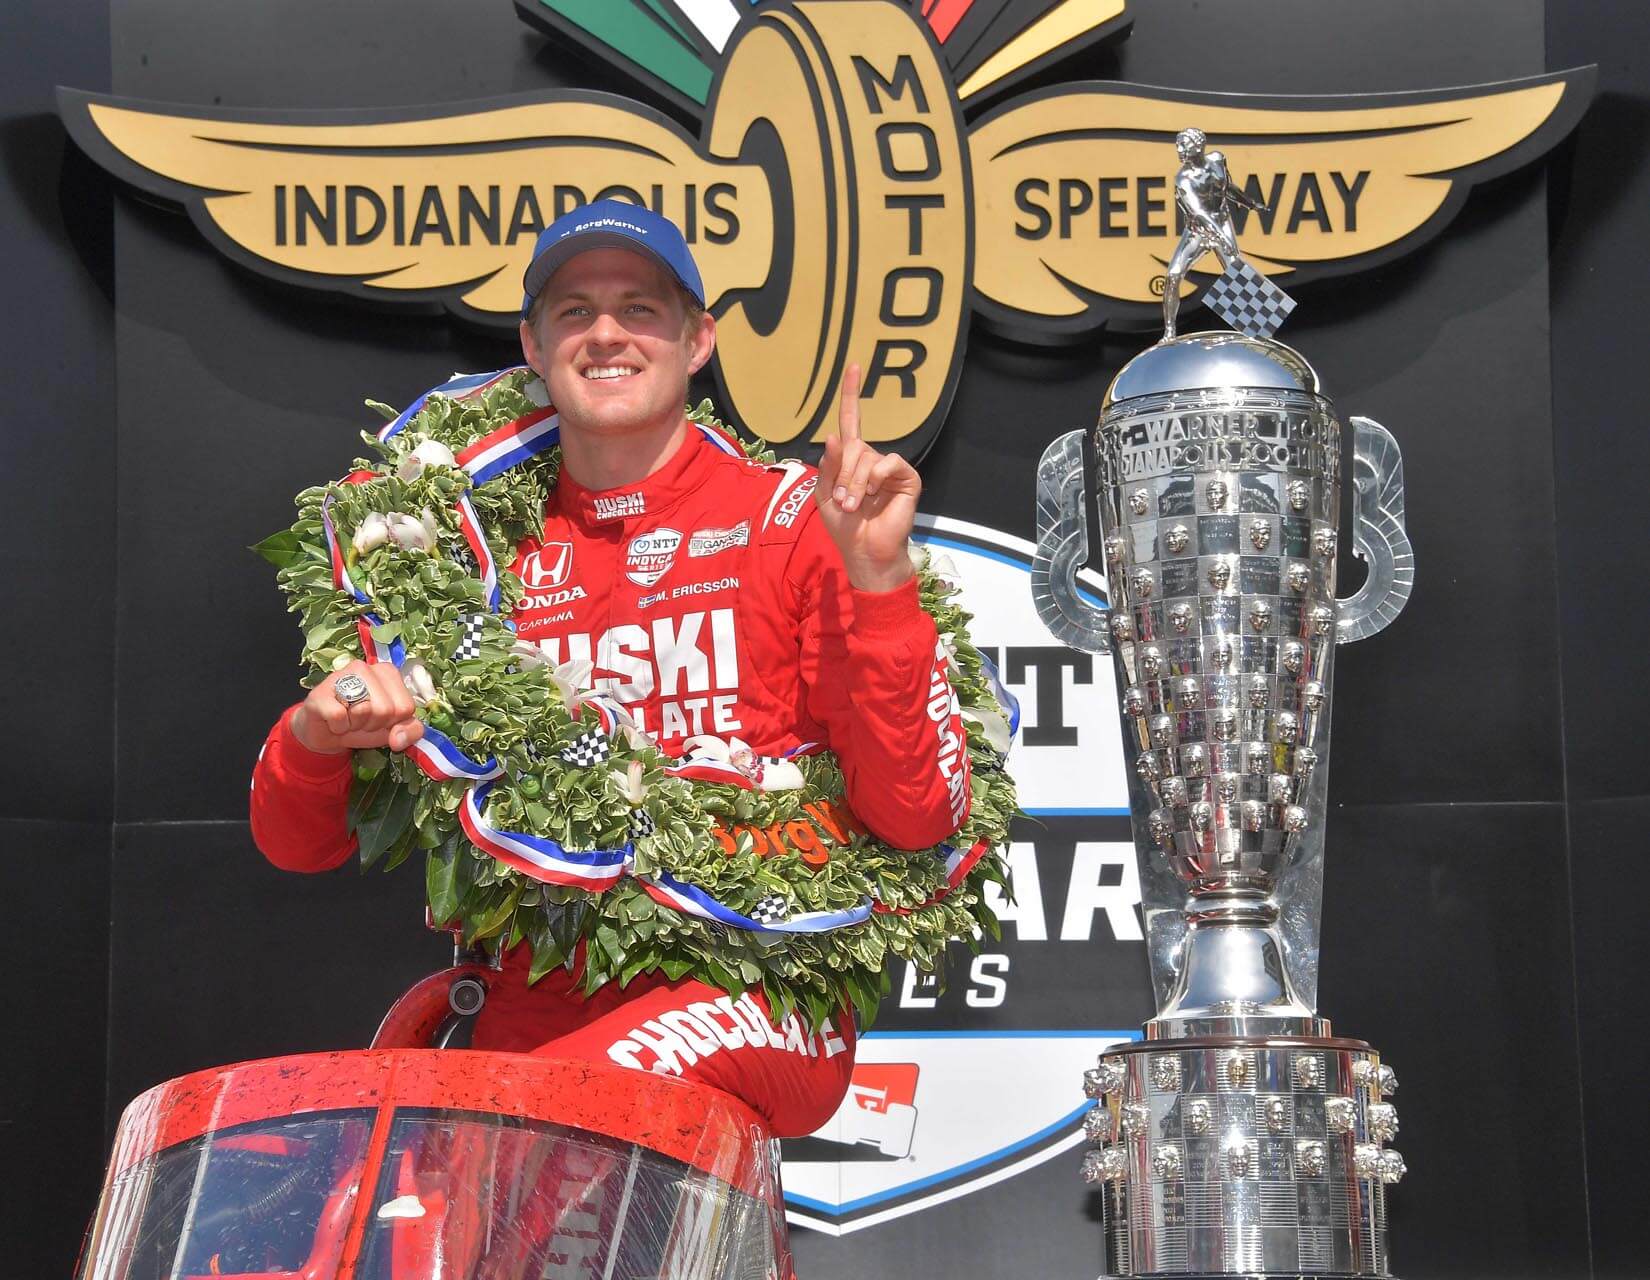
(386, 717)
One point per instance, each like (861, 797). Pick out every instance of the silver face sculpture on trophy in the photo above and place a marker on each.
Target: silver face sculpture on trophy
(1239, 1137)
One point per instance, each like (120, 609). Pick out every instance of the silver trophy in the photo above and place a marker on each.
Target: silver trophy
(1240, 1137)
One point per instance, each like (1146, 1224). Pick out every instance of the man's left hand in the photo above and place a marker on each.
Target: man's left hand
(867, 500)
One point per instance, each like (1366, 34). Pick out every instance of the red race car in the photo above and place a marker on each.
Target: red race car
(417, 1163)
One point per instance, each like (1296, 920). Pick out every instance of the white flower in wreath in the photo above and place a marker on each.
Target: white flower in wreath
(942, 566)
(630, 784)
(945, 569)
(768, 773)
(527, 654)
(427, 453)
(416, 676)
(410, 533)
(572, 679)
(374, 531)
(413, 533)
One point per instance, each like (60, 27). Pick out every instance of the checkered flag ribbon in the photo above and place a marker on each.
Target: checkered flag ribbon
(641, 824)
(771, 910)
(1249, 302)
(458, 551)
(469, 637)
(589, 748)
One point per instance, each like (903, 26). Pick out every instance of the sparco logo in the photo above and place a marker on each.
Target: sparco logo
(841, 204)
(791, 508)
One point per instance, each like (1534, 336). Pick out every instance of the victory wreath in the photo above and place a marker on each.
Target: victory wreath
(544, 814)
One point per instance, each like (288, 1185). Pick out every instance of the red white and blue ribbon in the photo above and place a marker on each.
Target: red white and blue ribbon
(719, 440)
(550, 862)
(596, 870)
(538, 857)
(510, 445)
(959, 862)
(609, 713)
(486, 570)
(693, 901)
(438, 757)
(373, 649)
(459, 386)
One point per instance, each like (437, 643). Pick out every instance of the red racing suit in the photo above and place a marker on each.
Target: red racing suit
(712, 601)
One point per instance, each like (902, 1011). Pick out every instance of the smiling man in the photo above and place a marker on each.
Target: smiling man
(714, 595)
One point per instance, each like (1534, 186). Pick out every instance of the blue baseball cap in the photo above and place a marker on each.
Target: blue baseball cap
(611, 224)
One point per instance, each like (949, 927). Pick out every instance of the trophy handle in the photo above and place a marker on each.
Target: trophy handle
(1377, 534)
(1063, 549)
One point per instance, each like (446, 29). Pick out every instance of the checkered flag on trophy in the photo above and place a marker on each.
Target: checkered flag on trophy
(1249, 302)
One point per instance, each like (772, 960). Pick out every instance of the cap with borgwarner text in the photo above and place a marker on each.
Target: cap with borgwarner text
(611, 224)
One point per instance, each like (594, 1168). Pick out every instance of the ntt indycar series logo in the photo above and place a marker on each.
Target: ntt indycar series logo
(650, 555)
(956, 1093)
(862, 184)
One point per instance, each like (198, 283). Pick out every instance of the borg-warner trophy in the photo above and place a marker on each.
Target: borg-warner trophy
(1240, 1136)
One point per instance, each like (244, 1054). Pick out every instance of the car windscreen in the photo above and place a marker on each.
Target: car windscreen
(270, 1198)
(490, 1197)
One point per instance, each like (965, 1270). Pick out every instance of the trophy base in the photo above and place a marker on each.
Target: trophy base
(1268, 1275)
(1244, 1156)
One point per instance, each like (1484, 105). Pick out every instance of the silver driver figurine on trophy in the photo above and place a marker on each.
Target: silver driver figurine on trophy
(1239, 1137)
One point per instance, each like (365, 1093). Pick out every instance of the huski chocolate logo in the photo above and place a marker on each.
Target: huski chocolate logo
(840, 206)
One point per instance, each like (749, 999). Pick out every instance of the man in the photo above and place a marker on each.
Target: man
(1204, 191)
(714, 596)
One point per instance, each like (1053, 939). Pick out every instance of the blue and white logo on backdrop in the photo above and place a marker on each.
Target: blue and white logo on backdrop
(928, 1118)
(934, 1115)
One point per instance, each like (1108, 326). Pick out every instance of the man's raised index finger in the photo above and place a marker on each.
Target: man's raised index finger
(847, 417)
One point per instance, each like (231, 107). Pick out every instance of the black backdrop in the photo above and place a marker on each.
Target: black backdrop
(1486, 852)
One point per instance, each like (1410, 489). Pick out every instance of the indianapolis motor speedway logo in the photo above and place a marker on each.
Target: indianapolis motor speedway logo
(850, 196)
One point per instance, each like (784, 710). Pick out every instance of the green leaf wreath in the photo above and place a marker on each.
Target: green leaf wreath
(496, 704)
